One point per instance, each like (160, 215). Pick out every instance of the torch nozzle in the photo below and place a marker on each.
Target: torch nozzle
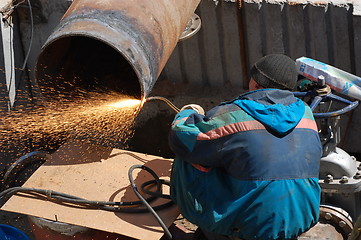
(169, 103)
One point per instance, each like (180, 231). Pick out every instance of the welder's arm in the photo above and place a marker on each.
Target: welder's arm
(185, 143)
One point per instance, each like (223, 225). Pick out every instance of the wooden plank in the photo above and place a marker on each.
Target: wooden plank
(96, 173)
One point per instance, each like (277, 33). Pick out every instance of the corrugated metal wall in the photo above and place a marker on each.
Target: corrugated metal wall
(234, 36)
(213, 56)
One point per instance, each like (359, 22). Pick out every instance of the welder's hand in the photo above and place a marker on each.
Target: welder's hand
(195, 107)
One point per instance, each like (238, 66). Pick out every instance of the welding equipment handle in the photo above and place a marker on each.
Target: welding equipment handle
(195, 107)
(327, 97)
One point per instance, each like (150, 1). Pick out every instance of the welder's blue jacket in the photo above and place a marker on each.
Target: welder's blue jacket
(249, 168)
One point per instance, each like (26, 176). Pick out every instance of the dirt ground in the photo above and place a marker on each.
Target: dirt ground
(18, 221)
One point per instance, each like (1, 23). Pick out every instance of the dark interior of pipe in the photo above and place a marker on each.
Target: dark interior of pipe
(72, 67)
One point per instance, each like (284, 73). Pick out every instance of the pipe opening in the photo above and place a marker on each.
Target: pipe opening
(72, 67)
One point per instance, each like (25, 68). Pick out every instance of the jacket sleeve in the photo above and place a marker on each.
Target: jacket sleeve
(186, 128)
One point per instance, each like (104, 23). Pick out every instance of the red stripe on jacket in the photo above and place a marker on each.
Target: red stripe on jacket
(248, 126)
(201, 168)
(177, 121)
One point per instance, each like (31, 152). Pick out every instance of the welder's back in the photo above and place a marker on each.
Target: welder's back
(249, 168)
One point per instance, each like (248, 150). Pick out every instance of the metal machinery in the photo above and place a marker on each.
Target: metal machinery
(340, 178)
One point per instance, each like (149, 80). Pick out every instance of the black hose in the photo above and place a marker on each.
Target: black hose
(130, 176)
(30, 158)
(126, 207)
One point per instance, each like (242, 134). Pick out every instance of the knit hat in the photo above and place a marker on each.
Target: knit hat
(275, 71)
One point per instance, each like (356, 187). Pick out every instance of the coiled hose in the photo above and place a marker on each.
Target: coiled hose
(126, 207)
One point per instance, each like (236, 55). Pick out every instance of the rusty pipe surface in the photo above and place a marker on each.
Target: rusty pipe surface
(122, 45)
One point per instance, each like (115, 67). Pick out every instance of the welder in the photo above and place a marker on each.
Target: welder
(248, 168)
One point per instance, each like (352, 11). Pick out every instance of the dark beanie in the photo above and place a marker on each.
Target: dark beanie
(275, 71)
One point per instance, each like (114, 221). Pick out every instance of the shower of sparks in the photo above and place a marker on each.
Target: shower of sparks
(126, 103)
(100, 118)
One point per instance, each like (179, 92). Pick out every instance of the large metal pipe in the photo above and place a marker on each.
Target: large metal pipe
(121, 45)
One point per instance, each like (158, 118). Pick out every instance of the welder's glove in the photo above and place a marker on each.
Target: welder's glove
(195, 107)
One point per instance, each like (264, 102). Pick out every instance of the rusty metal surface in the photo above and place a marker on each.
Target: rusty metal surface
(334, 224)
(338, 218)
(143, 32)
(321, 231)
